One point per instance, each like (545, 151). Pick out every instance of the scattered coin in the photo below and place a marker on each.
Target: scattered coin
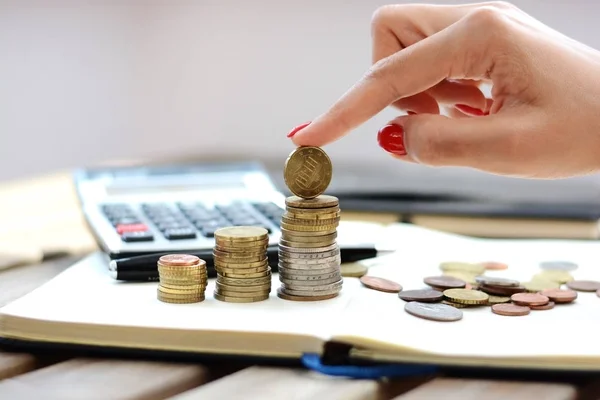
(510, 310)
(529, 299)
(462, 266)
(539, 285)
(560, 295)
(554, 276)
(498, 299)
(548, 306)
(558, 265)
(307, 172)
(444, 282)
(584, 286)
(354, 269)
(434, 312)
(465, 296)
(455, 305)
(381, 284)
(494, 281)
(494, 265)
(501, 290)
(423, 295)
(463, 276)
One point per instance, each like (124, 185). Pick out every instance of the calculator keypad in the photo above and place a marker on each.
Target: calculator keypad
(188, 220)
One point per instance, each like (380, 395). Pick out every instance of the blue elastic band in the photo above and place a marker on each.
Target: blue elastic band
(313, 361)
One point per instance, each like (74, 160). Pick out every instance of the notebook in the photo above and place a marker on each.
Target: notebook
(83, 306)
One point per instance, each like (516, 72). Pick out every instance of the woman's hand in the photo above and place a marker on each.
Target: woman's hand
(543, 119)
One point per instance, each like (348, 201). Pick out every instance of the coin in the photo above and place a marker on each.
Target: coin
(584, 286)
(309, 239)
(309, 222)
(237, 256)
(303, 245)
(307, 171)
(501, 290)
(243, 282)
(498, 299)
(312, 216)
(177, 260)
(281, 293)
(242, 271)
(548, 306)
(380, 284)
(558, 265)
(494, 281)
(230, 299)
(462, 275)
(434, 312)
(539, 285)
(295, 233)
(238, 234)
(310, 291)
(309, 273)
(444, 282)
(560, 295)
(295, 282)
(243, 288)
(462, 266)
(554, 276)
(512, 310)
(455, 305)
(309, 228)
(191, 291)
(322, 201)
(250, 275)
(494, 265)
(254, 264)
(354, 270)
(181, 300)
(529, 299)
(300, 252)
(423, 295)
(465, 296)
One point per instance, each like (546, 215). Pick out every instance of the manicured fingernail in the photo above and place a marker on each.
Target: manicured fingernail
(469, 110)
(297, 129)
(391, 139)
(411, 112)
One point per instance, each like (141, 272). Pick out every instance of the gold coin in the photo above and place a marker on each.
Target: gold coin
(242, 271)
(310, 222)
(498, 299)
(456, 305)
(312, 215)
(183, 292)
(309, 228)
(187, 300)
(180, 260)
(239, 256)
(181, 270)
(462, 266)
(355, 270)
(258, 245)
(322, 201)
(466, 296)
(553, 276)
(249, 275)
(241, 234)
(230, 299)
(309, 239)
(240, 293)
(538, 285)
(300, 245)
(242, 265)
(238, 288)
(293, 233)
(283, 295)
(465, 276)
(307, 171)
(178, 286)
(244, 281)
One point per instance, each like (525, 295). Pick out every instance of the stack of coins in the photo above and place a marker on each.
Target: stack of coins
(182, 278)
(309, 256)
(243, 272)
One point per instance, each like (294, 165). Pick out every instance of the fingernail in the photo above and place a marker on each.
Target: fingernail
(297, 129)
(391, 139)
(469, 110)
(411, 112)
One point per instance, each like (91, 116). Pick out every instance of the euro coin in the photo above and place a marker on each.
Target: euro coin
(380, 284)
(554, 275)
(548, 306)
(179, 260)
(512, 310)
(493, 281)
(281, 293)
(584, 286)
(423, 296)
(434, 312)
(465, 296)
(498, 299)
(307, 171)
(560, 295)
(240, 234)
(539, 285)
(471, 268)
(231, 299)
(353, 270)
(322, 201)
(529, 299)
(444, 282)
(558, 265)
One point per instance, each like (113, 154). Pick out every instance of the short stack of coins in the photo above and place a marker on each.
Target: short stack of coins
(309, 256)
(243, 272)
(182, 278)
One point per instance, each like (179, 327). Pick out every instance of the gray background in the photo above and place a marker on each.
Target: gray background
(85, 82)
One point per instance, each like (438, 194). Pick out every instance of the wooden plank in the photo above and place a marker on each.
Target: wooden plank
(465, 389)
(104, 379)
(267, 383)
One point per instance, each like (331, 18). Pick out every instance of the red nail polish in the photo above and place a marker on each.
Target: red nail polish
(297, 129)
(411, 113)
(391, 139)
(469, 110)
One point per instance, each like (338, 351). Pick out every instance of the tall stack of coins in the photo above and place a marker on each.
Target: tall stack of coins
(309, 256)
(243, 272)
(182, 278)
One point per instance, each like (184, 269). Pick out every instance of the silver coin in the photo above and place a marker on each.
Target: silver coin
(308, 271)
(294, 250)
(296, 284)
(329, 263)
(243, 282)
(309, 255)
(313, 260)
(493, 281)
(312, 288)
(436, 312)
(303, 245)
(309, 278)
(558, 265)
(309, 293)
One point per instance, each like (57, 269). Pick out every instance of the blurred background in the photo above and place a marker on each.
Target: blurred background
(88, 82)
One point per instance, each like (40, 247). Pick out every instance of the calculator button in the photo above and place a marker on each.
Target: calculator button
(125, 221)
(175, 234)
(144, 236)
(122, 228)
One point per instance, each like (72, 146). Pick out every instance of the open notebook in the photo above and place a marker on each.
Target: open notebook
(84, 306)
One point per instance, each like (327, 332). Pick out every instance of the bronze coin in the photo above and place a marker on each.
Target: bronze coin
(547, 306)
(381, 284)
(424, 295)
(560, 295)
(512, 310)
(502, 290)
(529, 299)
(445, 282)
(434, 312)
(584, 286)
(494, 265)
(178, 260)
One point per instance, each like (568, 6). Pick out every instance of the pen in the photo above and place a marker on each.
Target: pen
(144, 268)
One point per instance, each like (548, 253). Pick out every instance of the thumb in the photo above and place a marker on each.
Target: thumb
(483, 143)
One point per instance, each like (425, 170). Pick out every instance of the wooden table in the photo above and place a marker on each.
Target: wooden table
(60, 377)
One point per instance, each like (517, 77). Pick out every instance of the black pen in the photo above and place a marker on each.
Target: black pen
(144, 268)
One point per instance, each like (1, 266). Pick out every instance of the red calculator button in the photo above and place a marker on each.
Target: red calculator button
(122, 228)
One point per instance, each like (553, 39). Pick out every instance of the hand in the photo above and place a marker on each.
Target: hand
(543, 119)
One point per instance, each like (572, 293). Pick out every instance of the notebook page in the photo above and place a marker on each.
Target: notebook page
(378, 320)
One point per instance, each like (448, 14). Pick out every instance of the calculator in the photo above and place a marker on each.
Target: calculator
(153, 209)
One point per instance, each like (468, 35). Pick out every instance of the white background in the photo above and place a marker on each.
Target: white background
(83, 82)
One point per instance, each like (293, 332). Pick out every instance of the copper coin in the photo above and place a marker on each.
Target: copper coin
(560, 295)
(510, 310)
(381, 284)
(494, 265)
(529, 299)
(445, 282)
(547, 306)
(424, 295)
(178, 260)
(584, 286)
(433, 312)
(502, 290)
